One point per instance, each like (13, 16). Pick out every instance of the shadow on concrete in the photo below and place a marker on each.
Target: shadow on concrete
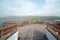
(39, 35)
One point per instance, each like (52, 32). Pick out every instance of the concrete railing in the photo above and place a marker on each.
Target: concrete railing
(56, 28)
(8, 30)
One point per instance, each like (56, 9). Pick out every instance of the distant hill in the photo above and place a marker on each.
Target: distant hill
(30, 17)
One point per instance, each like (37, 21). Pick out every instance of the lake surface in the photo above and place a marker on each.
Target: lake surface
(1, 22)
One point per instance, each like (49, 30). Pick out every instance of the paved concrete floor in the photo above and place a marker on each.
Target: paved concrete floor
(32, 32)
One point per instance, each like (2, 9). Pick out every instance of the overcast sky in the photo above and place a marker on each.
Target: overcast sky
(30, 7)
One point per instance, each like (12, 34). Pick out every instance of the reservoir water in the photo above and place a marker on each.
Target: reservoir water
(1, 22)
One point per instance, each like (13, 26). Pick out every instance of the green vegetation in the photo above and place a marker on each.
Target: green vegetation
(29, 22)
(24, 23)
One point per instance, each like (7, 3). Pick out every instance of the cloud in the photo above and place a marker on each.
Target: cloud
(49, 4)
(31, 8)
(51, 7)
(27, 7)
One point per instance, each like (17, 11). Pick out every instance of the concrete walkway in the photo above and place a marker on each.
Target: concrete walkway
(32, 32)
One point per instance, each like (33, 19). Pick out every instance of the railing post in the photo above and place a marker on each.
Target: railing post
(0, 33)
(47, 24)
